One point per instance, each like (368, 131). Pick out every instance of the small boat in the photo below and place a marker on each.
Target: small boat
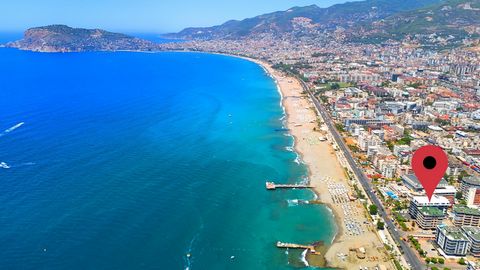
(4, 165)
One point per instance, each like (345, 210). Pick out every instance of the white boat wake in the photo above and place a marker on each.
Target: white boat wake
(8, 130)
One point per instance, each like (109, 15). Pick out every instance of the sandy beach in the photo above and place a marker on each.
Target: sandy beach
(355, 232)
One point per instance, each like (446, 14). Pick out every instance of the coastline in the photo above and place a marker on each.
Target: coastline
(294, 91)
(321, 161)
(327, 176)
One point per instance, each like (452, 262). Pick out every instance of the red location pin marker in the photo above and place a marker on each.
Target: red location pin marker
(429, 164)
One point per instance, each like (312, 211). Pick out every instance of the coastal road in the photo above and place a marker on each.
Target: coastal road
(409, 255)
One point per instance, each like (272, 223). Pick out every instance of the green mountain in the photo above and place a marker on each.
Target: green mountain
(455, 18)
(61, 38)
(309, 19)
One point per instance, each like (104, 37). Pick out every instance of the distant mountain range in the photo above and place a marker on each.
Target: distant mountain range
(451, 17)
(435, 21)
(360, 20)
(345, 15)
(61, 38)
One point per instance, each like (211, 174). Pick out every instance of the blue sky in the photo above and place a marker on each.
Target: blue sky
(158, 16)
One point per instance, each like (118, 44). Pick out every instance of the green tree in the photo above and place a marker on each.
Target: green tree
(422, 253)
(462, 175)
(390, 145)
(442, 122)
(441, 260)
(398, 205)
(340, 127)
(414, 85)
(405, 140)
(334, 86)
(354, 148)
(398, 266)
(380, 225)
(385, 84)
(462, 261)
(373, 209)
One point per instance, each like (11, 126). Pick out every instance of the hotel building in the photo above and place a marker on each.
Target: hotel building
(468, 183)
(428, 218)
(412, 183)
(452, 240)
(418, 202)
(472, 196)
(443, 189)
(473, 234)
(466, 216)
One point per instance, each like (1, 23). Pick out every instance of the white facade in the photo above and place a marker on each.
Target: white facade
(452, 241)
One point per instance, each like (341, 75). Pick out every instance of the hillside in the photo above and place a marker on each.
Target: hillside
(61, 38)
(456, 18)
(309, 18)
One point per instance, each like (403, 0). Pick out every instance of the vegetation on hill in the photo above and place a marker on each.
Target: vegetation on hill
(61, 38)
(449, 20)
(309, 19)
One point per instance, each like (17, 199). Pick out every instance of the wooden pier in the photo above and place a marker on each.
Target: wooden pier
(297, 246)
(272, 186)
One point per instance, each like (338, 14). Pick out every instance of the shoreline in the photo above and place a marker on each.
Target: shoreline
(324, 171)
(321, 161)
(288, 115)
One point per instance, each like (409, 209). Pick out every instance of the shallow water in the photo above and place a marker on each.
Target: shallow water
(134, 160)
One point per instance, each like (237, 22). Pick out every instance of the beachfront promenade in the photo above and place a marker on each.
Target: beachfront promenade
(409, 255)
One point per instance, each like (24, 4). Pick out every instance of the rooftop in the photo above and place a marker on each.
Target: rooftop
(432, 211)
(436, 200)
(472, 180)
(466, 210)
(453, 233)
(412, 180)
(445, 189)
(472, 232)
(435, 128)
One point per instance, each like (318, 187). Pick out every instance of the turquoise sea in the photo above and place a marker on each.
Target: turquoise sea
(147, 161)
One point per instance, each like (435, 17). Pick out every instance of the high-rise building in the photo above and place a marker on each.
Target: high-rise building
(466, 216)
(473, 265)
(472, 196)
(428, 218)
(469, 182)
(443, 189)
(419, 202)
(473, 234)
(452, 240)
(412, 182)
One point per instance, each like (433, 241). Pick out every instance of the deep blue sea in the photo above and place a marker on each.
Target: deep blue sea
(147, 161)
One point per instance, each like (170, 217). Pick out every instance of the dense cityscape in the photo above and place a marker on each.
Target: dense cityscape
(386, 101)
(363, 85)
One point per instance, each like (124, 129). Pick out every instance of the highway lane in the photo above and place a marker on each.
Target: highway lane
(409, 255)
